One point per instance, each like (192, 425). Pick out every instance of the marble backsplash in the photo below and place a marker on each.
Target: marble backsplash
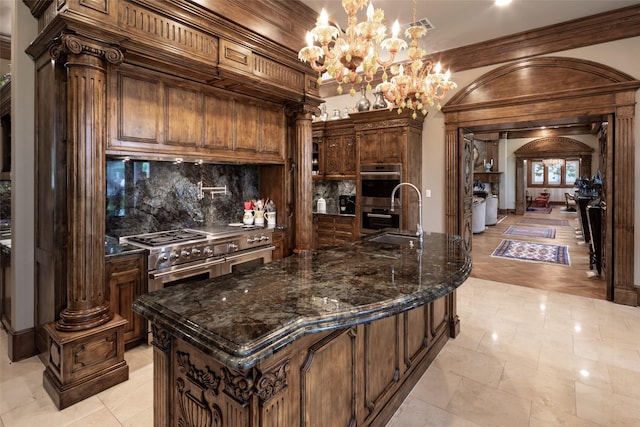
(146, 196)
(329, 190)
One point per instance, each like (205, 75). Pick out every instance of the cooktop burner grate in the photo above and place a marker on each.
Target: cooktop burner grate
(164, 238)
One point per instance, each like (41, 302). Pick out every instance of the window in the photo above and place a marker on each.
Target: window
(554, 172)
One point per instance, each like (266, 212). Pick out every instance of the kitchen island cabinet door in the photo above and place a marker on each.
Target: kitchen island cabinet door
(126, 281)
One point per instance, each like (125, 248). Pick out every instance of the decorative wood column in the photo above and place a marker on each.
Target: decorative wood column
(622, 262)
(303, 181)
(86, 344)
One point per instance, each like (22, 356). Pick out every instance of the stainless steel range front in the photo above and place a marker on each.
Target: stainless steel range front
(177, 256)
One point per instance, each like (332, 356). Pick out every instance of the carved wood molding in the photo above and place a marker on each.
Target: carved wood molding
(161, 338)
(241, 385)
(502, 86)
(558, 146)
(73, 44)
(204, 378)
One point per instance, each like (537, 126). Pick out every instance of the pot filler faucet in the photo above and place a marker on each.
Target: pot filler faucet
(420, 232)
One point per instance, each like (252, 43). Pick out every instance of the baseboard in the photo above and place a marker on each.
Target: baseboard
(20, 344)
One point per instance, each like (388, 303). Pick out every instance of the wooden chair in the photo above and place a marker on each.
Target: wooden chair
(571, 202)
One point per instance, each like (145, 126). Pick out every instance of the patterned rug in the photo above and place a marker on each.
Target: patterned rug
(544, 221)
(537, 209)
(523, 230)
(532, 252)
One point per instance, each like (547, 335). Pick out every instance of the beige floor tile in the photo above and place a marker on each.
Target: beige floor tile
(545, 416)
(576, 368)
(18, 391)
(625, 382)
(127, 399)
(483, 368)
(42, 412)
(416, 413)
(520, 349)
(486, 405)
(101, 418)
(606, 408)
(541, 386)
(436, 387)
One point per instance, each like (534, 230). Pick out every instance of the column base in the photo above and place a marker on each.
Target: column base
(84, 363)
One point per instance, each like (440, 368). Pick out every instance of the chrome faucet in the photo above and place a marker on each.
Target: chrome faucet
(420, 232)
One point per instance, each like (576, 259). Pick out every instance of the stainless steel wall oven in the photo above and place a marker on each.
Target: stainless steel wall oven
(376, 184)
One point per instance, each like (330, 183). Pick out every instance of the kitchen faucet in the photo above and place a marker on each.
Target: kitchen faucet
(420, 232)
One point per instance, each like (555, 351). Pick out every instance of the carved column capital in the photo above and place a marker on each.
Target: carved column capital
(72, 44)
(161, 339)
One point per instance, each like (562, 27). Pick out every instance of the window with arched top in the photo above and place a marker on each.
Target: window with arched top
(558, 171)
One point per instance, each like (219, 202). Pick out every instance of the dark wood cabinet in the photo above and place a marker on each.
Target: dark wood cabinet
(334, 150)
(126, 281)
(381, 145)
(167, 118)
(333, 229)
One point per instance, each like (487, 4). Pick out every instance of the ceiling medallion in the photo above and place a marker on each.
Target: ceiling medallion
(355, 54)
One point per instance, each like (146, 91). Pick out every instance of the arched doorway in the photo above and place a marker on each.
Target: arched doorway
(526, 94)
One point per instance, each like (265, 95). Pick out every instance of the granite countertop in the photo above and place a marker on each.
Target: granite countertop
(113, 247)
(243, 318)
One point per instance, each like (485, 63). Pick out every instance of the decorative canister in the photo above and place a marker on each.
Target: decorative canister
(379, 102)
(271, 219)
(363, 103)
(258, 218)
(247, 218)
(322, 205)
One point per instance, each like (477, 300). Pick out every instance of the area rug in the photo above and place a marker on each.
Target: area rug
(544, 221)
(532, 252)
(544, 232)
(537, 209)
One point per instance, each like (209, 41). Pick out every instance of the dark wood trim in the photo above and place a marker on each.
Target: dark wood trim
(600, 28)
(21, 344)
(5, 46)
(590, 89)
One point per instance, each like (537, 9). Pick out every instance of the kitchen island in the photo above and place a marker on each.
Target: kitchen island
(334, 338)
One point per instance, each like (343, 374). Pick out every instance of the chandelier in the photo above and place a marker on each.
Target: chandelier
(342, 55)
(355, 55)
(553, 163)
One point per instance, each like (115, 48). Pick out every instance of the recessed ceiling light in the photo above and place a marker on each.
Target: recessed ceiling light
(502, 2)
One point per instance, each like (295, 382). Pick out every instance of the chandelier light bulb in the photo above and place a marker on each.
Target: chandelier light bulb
(355, 55)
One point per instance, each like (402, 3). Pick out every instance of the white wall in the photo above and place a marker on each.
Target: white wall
(22, 164)
(621, 55)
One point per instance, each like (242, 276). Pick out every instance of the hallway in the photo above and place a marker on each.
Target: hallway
(576, 279)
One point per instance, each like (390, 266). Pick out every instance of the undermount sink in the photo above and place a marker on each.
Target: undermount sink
(393, 239)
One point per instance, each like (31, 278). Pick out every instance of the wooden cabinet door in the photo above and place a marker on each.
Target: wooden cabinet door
(350, 154)
(381, 146)
(126, 281)
(333, 155)
(272, 128)
(369, 146)
(390, 145)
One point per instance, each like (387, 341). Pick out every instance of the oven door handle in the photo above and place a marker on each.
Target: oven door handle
(154, 276)
(250, 252)
(374, 215)
(378, 174)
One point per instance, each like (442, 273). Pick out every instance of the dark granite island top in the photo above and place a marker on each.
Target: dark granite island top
(241, 319)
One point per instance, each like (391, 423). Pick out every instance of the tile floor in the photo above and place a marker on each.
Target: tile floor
(525, 357)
